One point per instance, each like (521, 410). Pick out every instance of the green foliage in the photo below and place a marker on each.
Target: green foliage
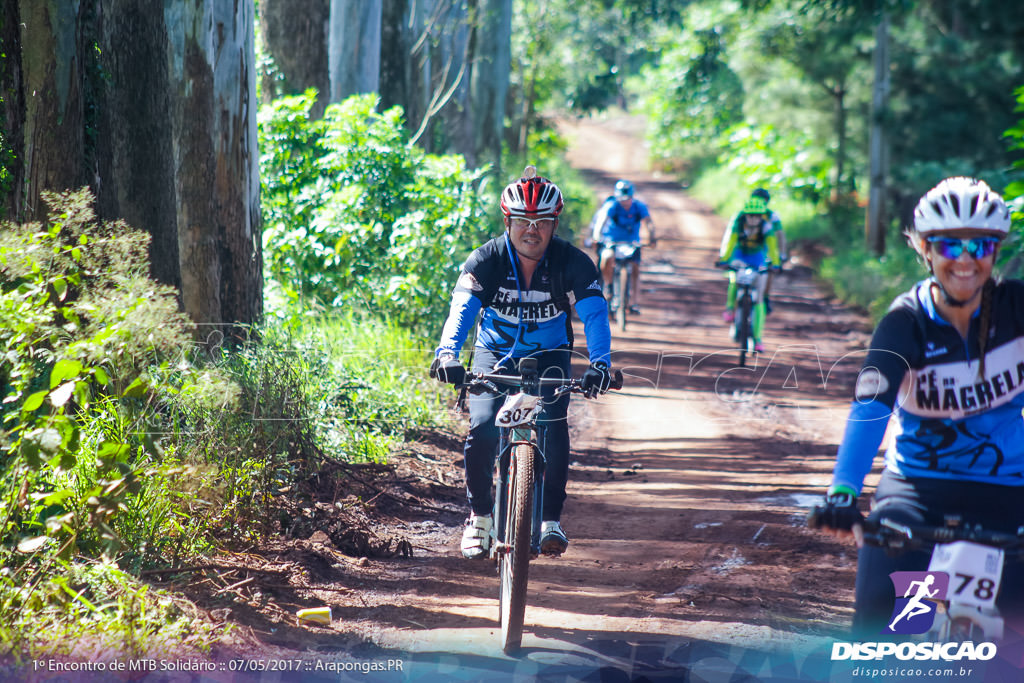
(314, 389)
(94, 609)
(81, 474)
(767, 156)
(861, 279)
(1011, 255)
(692, 96)
(355, 216)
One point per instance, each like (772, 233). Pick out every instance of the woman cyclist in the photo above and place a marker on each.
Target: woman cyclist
(948, 357)
(749, 238)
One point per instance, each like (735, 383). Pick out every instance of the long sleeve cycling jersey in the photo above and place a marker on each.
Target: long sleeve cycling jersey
(517, 318)
(954, 422)
(737, 243)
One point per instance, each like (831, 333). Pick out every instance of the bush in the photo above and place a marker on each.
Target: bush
(355, 216)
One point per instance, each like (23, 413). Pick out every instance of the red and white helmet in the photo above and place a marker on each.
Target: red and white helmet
(961, 202)
(531, 196)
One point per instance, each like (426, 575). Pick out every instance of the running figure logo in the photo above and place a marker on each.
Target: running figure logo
(917, 594)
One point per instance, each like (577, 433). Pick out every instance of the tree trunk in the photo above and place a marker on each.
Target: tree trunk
(491, 61)
(12, 106)
(876, 218)
(213, 88)
(136, 166)
(160, 121)
(54, 122)
(397, 66)
(354, 47)
(295, 35)
(839, 171)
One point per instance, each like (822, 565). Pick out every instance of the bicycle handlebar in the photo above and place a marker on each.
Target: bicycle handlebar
(725, 265)
(885, 533)
(571, 384)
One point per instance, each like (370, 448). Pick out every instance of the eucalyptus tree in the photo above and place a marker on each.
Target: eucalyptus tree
(155, 112)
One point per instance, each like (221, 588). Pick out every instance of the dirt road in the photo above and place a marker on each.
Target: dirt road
(686, 498)
(687, 492)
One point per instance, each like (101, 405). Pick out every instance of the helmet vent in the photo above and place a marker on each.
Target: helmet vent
(955, 201)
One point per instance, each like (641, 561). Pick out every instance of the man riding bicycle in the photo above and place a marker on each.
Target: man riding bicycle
(620, 219)
(521, 284)
(749, 238)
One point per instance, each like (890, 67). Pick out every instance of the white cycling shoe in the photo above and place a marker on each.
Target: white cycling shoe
(476, 537)
(553, 540)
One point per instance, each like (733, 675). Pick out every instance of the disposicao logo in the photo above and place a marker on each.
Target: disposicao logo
(917, 596)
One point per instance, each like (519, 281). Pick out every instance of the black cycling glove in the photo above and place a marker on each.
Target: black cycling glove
(447, 368)
(838, 512)
(596, 379)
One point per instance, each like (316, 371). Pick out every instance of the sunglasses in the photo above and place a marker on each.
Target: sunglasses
(527, 223)
(951, 248)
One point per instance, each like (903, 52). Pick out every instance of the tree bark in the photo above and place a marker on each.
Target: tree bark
(12, 138)
(213, 87)
(160, 121)
(54, 122)
(876, 217)
(136, 166)
(295, 33)
(354, 47)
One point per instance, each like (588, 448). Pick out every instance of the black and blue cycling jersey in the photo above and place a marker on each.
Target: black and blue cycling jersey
(518, 318)
(955, 423)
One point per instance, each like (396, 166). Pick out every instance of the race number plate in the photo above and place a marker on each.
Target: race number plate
(974, 571)
(747, 276)
(519, 409)
(624, 251)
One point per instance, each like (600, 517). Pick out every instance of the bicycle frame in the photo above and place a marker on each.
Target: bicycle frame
(520, 486)
(748, 294)
(622, 279)
(509, 439)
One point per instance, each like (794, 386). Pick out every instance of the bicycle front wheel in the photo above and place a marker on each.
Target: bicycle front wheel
(744, 329)
(514, 563)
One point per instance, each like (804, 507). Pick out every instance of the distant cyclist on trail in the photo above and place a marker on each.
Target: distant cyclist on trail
(620, 219)
(948, 359)
(522, 284)
(780, 238)
(749, 239)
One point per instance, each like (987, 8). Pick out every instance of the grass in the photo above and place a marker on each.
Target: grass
(211, 447)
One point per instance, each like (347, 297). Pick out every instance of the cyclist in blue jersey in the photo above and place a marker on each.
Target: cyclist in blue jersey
(521, 284)
(948, 358)
(620, 219)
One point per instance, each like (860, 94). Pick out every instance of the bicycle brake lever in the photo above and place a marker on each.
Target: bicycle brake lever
(482, 386)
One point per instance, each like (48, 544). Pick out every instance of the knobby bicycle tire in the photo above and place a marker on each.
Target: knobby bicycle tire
(623, 285)
(743, 326)
(515, 563)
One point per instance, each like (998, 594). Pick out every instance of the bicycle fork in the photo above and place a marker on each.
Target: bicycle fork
(511, 438)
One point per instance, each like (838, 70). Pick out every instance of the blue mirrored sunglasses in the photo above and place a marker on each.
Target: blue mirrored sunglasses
(951, 248)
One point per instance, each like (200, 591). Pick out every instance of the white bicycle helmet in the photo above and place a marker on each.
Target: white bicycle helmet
(961, 202)
(531, 196)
